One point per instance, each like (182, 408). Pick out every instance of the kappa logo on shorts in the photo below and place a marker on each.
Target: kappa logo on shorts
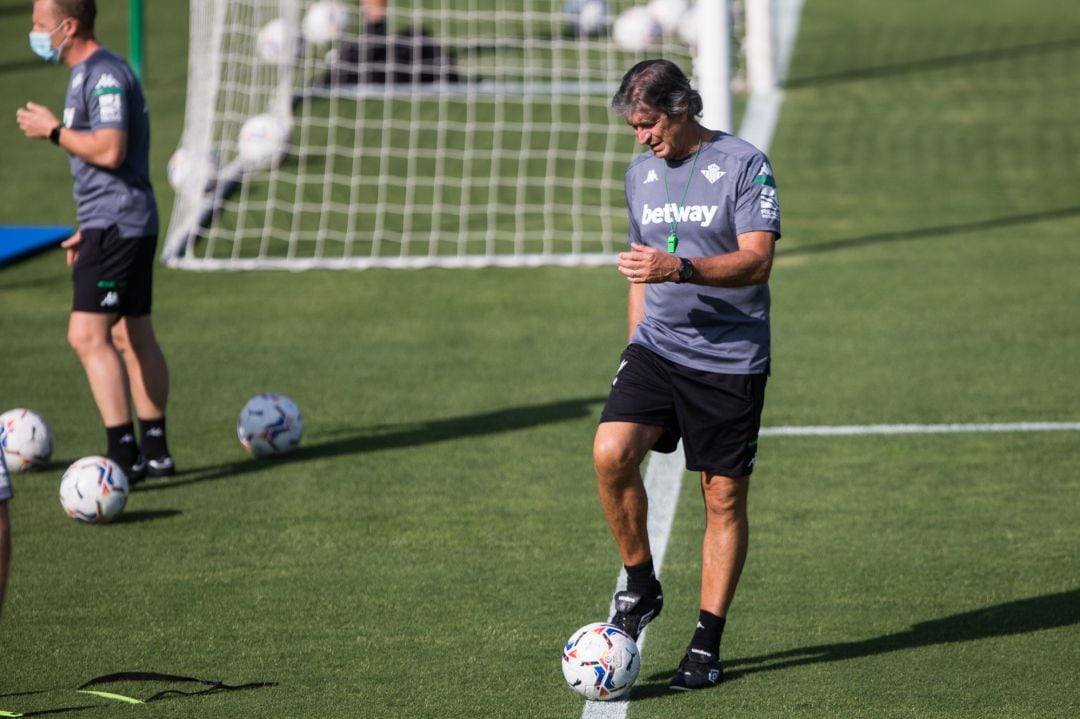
(621, 365)
(111, 299)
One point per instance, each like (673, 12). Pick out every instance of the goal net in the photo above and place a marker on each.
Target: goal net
(454, 133)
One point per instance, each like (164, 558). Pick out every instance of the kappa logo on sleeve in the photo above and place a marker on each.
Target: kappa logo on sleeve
(764, 176)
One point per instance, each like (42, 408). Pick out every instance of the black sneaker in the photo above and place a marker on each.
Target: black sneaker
(161, 467)
(698, 670)
(633, 610)
(137, 471)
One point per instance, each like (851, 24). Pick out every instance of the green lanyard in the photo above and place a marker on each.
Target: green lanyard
(673, 238)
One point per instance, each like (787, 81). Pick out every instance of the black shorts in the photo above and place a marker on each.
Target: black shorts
(716, 415)
(113, 274)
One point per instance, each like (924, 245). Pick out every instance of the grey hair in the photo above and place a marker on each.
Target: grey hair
(659, 84)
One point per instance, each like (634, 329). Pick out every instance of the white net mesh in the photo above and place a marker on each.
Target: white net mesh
(462, 133)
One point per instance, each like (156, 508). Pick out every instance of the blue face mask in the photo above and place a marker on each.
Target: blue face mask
(41, 44)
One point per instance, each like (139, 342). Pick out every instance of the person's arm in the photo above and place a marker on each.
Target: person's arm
(751, 264)
(635, 311)
(5, 550)
(105, 147)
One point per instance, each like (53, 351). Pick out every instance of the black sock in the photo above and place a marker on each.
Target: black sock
(122, 447)
(641, 578)
(153, 438)
(710, 629)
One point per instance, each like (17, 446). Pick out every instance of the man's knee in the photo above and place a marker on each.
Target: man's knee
(87, 335)
(725, 497)
(120, 338)
(619, 449)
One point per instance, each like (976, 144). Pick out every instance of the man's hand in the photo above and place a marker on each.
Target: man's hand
(71, 244)
(644, 264)
(36, 121)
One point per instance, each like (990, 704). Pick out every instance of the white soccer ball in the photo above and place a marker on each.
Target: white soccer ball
(26, 438)
(94, 490)
(270, 424)
(635, 29)
(275, 44)
(263, 141)
(586, 18)
(324, 22)
(600, 661)
(182, 170)
(667, 14)
(688, 29)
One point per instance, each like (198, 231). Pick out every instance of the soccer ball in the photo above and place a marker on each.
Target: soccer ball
(274, 44)
(270, 424)
(263, 141)
(688, 29)
(586, 18)
(26, 439)
(667, 14)
(182, 169)
(324, 22)
(600, 662)
(635, 29)
(94, 490)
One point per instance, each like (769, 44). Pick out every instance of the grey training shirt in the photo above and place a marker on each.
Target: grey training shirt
(104, 93)
(731, 191)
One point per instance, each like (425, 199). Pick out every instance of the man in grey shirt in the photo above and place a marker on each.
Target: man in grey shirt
(106, 133)
(704, 219)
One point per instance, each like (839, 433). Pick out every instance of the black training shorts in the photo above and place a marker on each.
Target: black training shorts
(716, 415)
(113, 274)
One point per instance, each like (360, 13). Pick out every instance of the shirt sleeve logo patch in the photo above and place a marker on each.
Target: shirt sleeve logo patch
(110, 97)
(770, 204)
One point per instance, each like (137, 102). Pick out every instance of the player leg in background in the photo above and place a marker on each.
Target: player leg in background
(619, 448)
(148, 375)
(5, 529)
(5, 547)
(90, 335)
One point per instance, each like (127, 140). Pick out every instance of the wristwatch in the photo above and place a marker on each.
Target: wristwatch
(686, 270)
(54, 135)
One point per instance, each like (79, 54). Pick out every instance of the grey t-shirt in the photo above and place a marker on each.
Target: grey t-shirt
(732, 191)
(104, 93)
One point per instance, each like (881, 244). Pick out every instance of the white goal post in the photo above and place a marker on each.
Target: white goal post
(458, 133)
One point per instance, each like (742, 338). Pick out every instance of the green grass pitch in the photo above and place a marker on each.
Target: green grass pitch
(437, 536)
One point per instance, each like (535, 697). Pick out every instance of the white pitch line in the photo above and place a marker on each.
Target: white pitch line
(858, 430)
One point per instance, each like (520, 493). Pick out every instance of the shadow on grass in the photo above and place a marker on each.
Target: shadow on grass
(1022, 616)
(380, 437)
(131, 516)
(932, 231)
(934, 63)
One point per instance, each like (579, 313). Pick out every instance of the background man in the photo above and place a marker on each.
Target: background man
(106, 133)
(704, 219)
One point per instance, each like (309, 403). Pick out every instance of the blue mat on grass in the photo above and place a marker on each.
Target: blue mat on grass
(17, 242)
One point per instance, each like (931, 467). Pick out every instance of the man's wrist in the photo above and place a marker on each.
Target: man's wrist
(54, 135)
(685, 271)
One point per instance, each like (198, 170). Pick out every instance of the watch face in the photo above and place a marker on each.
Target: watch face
(686, 271)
